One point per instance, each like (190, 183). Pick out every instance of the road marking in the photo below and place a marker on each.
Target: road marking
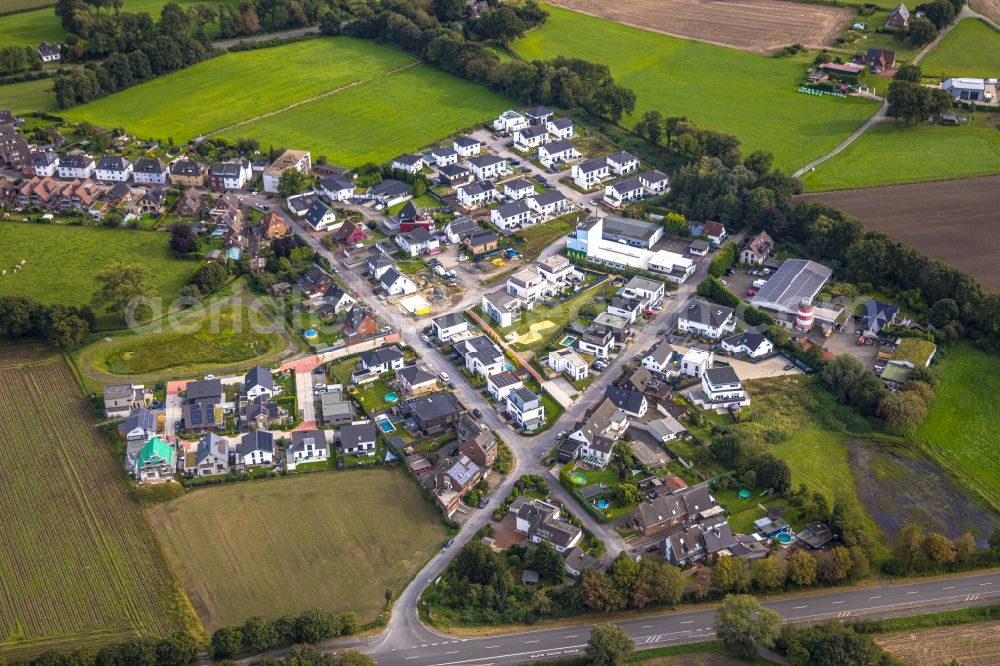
(914, 592)
(950, 587)
(452, 652)
(491, 647)
(798, 607)
(688, 622)
(878, 597)
(570, 636)
(645, 626)
(408, 658)
(528, 642)
(981, 584)
(837, 602)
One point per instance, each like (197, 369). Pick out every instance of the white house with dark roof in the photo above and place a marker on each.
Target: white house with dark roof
(501, 384)
(753, 344)
(466, 146)
(255, 448)
(569, 362)
(559, 128)
(139, 425)
(475, 195)
(358, 439)
(965, 89)
(211, 457)
(525, 409)
(651, 292)
(509, 121)
(231, 175)
(541, 521)
(390, 192)
(461, 227)
(548, 204)
(625, 191)
(538, 115)
(598, 432)
(530, 137)
(757, 249)
(449, 325)
(442, 156)
(377, 264)
(622, 163)
(590, 173)
(706, 319)
(408, 162)
(320, 217)
(113, 169)
(336, 188)
(76, 165)
(307, 446)
(502, 307)
(455, 174)
(382, 360)
(396, 283)
(518, 188)
(481, 355)
(487, 167)
(512, 215)
(258, 382)
(556, 152)
(418, 241)
(149, 171)
(720, 388)
(44, 163)
(49, 52)
(655, 182)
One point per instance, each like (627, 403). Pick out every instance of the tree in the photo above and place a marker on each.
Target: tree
(853, 384)
(921, 31)
(549, 563)
(624, 572)
(909, 101)
(66, 328)
(833, 644)
(759, 161)
(835, 565)
(182, 238)
(448, 10)
(943, 312)
(501, 24)
(120, 287)
(609, 645)
(860, 565)
(226, 642)
(613, 101)
(963, 546)
(176, 649)
(352, 658)
(938, 549)
(903, 410)
(768, 574)
(315, 626)
(598, 592)
(908, 72)
(259, 634)
(730, 574)
(672, 127)
(628, 493)
(994, 541)
(939, 102)
(209, 277)
(650, 127)
(292, 181)
(658, 583)
(743, 626)
(908, 544)
(802, 568)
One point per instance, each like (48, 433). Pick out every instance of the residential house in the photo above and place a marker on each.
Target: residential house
(501, 384)
(597, 341)
(569, 362)
(528, 285)
(54, 196)
(577, 561)
(486, 167)
(685, 547)
(152, 202)
(631, 402)
(598, 433)
(189, 204)
(557, 152)
(390, 192)
(876, 316)
(880, 60)
(139, 425)
(396, 284)
(351, 233)
(409, 163)
(538, 115)
(628, 308)
(360, 322)
(358, 439)
(665, 428)
(478, 444)
(187, 172)
(319, 216)
(414, 380)
(589, 174)
(655, 182)
(661, 360)
(541, 521)
(150, 171)
(691, 505)
(482, 241)
(481, 356)
(256, 448)
(121, 399)
(211, 457)
(336, 188)
(559, 128)
(509, 121)
(432, 415)
(442, 156)
(258, 382)
(335, 409)
(382, 360)
(449, 325)
(273, 226)
(518, 188)
(314, 282)
(203, 405)
(475, 195)
(753, 344)
(502, 307)
(49, 52)
(76, 165)
(622, 163)
(548, 204)
(308, 446)
(618, 326)
(466, 146)
(720, 388)
(557, 270)
(623, 192)
(261, 412)
(155, 462)
(455, 174)
(300, 160)
(45, 163)
(530, 137)
(707, 320)
(453, 480)
(757, 250)
(899, 17)
(512, 215)
(716, 233)
(113, 169)
(418, 241)
(231, 175)
(377, 263)
(696, 361)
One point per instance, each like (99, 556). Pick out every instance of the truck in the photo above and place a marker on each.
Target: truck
(757, 284)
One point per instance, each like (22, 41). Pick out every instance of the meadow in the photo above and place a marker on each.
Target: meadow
(333, 540)
(63, 260)
(752, 96)
(29, 96)
(238, 86)
(79, 563)
(892, 153)
(960, 431)
(970, 49)
(380, 118)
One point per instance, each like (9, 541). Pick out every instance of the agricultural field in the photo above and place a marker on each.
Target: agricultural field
(960, 429)
(12, 6)
(28, 96)
(61, 261)
(79, 564)
(990, 8)
(381, 117)
(351, 536)
(953, 220)
(972, 49)
(749, 95)
(762, 26)
(892, 153)
(964, 644)
(238, 86)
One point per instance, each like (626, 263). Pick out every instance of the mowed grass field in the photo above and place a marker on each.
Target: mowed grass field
(28, 96)
(379, 119)
(752, 96)
(234, 87)
(333, 540)
(893, 153)
(972, 49)
(63, 260)
(79, 564)
(960, 431)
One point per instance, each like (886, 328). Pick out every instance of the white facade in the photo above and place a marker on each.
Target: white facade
(486, 167)
(623, 163)
(624, 192)
(655, 182)
(526, 409)
(556, 152)
(530, 137)
(150, 177)
(714, 323)
(518, 189)
(648, 291)
(548, 206)
(570, 363)
(560, 128)
(408, 163)
(117, 173)
(466, 146)
(398, 284)
(696, 361)
(445, 328)
(509, 121)
(588, 175)
(753, 345)
(475, 195)
(720, 388)
(72, 166)
(300, 160)
(500, 389)
(511, 215)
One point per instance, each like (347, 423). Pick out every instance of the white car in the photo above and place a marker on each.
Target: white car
(445, 377)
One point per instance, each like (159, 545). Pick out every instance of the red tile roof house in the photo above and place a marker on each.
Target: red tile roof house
(351, 233)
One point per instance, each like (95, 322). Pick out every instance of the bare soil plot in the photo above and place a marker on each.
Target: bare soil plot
(761, 26)
(977, 644)
(955, 221)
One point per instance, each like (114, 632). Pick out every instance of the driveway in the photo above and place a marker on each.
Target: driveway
(305, 397)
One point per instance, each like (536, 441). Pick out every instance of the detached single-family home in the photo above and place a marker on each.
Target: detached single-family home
(598, 433)
(432, 414)
(560, 128)
(509, 121)
(538, 115)
(482, 241)
(589, 174)
(482, 357)
(753, 344)
(155, 462)
(449, 325)
(382, 360)
(527, 284)
(396, 284)
(211, 457)
(113, 169)
(121, 399)
(390, 192)
(556, 152)
(139, 425)
(660, 359)
(557, 270)
(414, 380)
(255, 448)
(336, 188)
(569, 362)
(475, 195)
(231, 175)
(655, 182)
(45, 163)
(203, 405)
(49, 52)
(319, 216)
(518, 188)
(622, 163)
(149, 171)
(455, 174)
(259, 381)
(720, 388)
(530, 137)
(899, 17)
(597, 341)
(696, 361)
(378, 263)
(541, 521)
(187, 172)
(502, 307)
(441, 156)
(360, 322)
(623, 192)
(716, 233)
(408, 162)
(151, 202)
(336, 408)
(630, 401)
(76, 165)
(707, 319)
(650, 292)
(623, 306)
(501, 384)
(548, 204)
(314, 282)
(757, 250)
(418, 241)
(478, 444)
(879, 60)
(486, 167)
(358, 440)
(512, 215)
(458, 229)
(466, 146)
(453, 480)
(308, 446)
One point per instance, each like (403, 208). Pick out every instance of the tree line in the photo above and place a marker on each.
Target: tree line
(258, 634)
(913, 102)
(16, 59)
(255, 16)
(930, 18)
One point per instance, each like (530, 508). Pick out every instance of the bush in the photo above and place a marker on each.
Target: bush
(157, 492)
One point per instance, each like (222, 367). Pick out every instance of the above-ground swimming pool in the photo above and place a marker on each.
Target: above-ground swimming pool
(578, 478)
(310, 334)
(568, 341)
(785, 538)
(391, 397)
(744, 494)
(603, 504)
(508, 366)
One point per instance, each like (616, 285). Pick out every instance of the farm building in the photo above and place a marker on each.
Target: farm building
(965, 89)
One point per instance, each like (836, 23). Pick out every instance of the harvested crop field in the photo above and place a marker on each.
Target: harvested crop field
(954, 220)
(79, 564)
(977, 644)
(333, 540)
(990, 8)
(761, 26)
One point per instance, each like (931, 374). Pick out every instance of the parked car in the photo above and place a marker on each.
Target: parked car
(447, 544)
(426, 339)
(454, 452)
(445, 377)
(751, 292)
(483, 502)
(730, 271)
(549, 462)
(478, 414)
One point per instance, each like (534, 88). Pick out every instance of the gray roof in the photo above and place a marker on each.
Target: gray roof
(627, 185)
(353, 435)
(453, 170)
(518, 184)
(433, 406)
(751, 339)
(258, 376)
(118, 391)
(724, 374)
(594, 164)
(475, 188)
(533, 131)
(483, 161)
(513, 208)
(560, 146)
(44, 158)
(549, 198)
(380, 356)
(113, 163)
(653, 176)
(139, 418)
(630, 228)
(625, 399)
(203, 390)
(390, 276)
(256, 440)
(561, 123)
(707, 314)
(212, 445)
(390, 188)
(466, 141)
(336, 183)
(461, 471)
(795, 280)
(415, 375)
(483, 348)
(300, 438)
(643, 284)
(149, 165)
(538, 111)
(449, 320)
(621, 157)
(75, 160)
(186, 168)
(408, 159)
(317, 211)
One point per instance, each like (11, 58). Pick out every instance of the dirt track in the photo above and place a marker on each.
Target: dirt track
(956, 221)
(761, 26)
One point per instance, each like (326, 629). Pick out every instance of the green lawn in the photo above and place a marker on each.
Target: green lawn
(751, 96)
(377, 120)
(62, 260)
(892, 153)
(540, 236)
(238, 86)
(28, 96)
(539, 325)
(962, 426)
(972, 48)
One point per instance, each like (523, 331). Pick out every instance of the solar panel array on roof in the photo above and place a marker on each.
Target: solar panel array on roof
(797, 279)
